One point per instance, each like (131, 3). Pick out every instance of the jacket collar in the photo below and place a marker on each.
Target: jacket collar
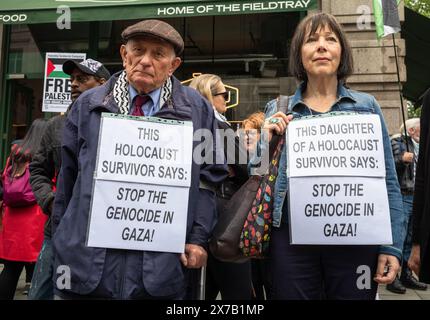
(297, 98)
(103, 96)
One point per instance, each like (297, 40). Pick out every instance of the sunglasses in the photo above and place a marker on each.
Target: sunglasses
(225, 95)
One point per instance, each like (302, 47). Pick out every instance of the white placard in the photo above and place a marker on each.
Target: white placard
(347, 145)
(137, 216)
(145, 152)
(141, 184)
(339, 210)
(56, 84)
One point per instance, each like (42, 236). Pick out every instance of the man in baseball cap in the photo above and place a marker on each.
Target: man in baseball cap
(85, 75)
(46, 164)
(146, 87)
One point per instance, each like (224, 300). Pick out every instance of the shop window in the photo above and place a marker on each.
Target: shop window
(15, 62)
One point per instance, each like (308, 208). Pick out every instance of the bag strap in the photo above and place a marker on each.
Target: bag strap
(281, 105)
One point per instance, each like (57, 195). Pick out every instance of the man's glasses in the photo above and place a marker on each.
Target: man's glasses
(225, 95)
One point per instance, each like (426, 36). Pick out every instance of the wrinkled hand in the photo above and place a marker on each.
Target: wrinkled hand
(277, 123)
(388, 268)
(195, 256)
(408, 157)
(414, 262)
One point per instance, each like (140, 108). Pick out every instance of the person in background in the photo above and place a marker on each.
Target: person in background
(405, 152)
(321, 58)
(233, 280)
(251, 131)
(46, 164)
(419, 261)
(22, 234)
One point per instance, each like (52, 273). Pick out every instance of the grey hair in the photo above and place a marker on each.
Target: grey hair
(410, 123)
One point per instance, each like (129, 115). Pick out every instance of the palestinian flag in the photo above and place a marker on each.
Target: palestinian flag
(386, 17)
(54, 68)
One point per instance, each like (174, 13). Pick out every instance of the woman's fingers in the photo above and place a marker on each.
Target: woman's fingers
(278, 122)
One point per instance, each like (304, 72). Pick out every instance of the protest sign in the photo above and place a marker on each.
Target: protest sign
(154, 151)
(347, 145)
(56, 85)
(138, 216)
(337, 189)
(141, 186)
(339, 210)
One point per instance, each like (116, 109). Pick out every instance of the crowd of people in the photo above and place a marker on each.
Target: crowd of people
(46, 227)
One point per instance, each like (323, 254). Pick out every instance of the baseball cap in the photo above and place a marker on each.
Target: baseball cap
(88, 66)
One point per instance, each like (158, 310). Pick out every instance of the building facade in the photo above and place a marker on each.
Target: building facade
(245, 42)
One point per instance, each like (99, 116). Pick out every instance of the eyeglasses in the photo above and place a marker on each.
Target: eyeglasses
(225, 95)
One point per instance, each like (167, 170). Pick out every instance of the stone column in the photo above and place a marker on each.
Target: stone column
(374, 61)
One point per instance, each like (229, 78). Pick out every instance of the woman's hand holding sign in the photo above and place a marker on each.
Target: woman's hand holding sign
(277, 123)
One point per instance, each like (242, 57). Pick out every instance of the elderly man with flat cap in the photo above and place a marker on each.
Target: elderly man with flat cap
(146, 87)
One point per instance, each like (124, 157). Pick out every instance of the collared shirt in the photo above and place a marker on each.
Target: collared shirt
(150, 107)
(219, 116)
(299, 107)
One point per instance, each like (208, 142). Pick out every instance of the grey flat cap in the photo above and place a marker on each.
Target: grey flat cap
(155, 28)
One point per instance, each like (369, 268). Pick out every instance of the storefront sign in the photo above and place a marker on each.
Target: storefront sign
(43, 11)
(337, 189)
(233, 7)
(141, 186)
(56, 85)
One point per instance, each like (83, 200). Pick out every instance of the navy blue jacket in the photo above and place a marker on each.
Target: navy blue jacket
(123, 274)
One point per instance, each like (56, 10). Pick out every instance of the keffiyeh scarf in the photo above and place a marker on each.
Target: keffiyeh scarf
(122, 96)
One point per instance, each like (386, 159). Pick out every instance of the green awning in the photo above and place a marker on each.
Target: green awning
(415, 31)
(45, 11)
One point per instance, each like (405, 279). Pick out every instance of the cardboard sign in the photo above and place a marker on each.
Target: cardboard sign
(138, 216)
(339, 210)
(337, 188)
(154, 151)
(141, 185)
(348, 145)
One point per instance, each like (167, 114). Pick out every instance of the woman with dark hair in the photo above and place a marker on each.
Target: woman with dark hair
(22, 233)
(321, 59)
